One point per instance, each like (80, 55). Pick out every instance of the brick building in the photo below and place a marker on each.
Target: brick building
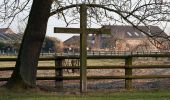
(123, 38)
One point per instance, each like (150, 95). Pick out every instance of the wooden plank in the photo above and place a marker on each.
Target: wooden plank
(67, 30)
(94, 57)
(58, 73)
(148, 76)
(7, 68)
(78, 77)
(8, 59)
(106, 67)
(151, 55)
(70, 67)
(46, 68)
(128, 72)
(46, 58)
(83, 51)
(78, 30)
(4, 79)
(148, 66)
(63, 78)
(99, 77)
(112, 56)
(95, 67)
(100, 67)
(106, 77)
(118, 56)
(78, 67)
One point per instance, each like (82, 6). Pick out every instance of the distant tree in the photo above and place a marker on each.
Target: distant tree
(133, 12)
(2, 45)
(51, 44)
(16, 45)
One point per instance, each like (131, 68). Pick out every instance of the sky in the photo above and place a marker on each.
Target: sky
(53, 22)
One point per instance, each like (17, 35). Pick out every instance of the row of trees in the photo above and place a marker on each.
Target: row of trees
(133, 12)
(9, 47)
(50, 44)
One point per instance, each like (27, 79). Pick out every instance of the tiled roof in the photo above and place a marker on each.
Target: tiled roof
(6, 30)
(6, 34)
(10, 37)
(75, 40)
(131, 32)
(128, 32)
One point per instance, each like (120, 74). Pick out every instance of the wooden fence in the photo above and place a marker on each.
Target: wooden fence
(107, 53)
(128, 67)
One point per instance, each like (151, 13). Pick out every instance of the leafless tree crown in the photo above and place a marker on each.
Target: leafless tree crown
(133, 12)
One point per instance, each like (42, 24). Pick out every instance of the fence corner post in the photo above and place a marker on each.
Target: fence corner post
(128, 73)
(58, 75)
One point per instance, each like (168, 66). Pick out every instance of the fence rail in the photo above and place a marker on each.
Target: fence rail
(128, 67)
(106, 53)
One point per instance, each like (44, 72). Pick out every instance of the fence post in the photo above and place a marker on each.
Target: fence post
(128, 72)
(83, 48)
(58, 74)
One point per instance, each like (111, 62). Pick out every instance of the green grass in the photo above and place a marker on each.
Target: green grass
(125, 95)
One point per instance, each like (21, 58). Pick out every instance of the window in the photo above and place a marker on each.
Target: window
(136, 34)
(129, 33)
(143, 34)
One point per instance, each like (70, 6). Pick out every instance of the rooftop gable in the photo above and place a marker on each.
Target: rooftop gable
(6, 30)
(131, 32)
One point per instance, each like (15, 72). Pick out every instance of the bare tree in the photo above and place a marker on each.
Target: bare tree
(133, 12)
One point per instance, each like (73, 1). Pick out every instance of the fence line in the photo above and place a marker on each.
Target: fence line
(106, 53)
(128, 67)
(92, 53)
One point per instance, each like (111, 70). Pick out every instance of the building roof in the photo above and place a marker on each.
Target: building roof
(10, 37)
(118, 31)
(131, 32)
(6, 34)
(75, 40)
(6, 30)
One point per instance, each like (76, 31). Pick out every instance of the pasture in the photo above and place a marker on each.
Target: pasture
(106, 84)
(100, 95)
(145, 89)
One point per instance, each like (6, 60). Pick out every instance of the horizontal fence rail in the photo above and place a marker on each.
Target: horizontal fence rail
(128, 67)
(90, 53)
(106, 53)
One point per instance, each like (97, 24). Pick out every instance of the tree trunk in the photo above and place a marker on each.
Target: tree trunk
(24, 75)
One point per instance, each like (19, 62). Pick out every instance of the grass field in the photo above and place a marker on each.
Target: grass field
(124, 95)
